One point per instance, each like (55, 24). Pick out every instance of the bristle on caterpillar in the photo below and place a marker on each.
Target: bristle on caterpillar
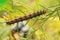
(30, 16)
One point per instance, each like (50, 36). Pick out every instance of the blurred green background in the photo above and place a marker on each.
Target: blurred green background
(44, 27)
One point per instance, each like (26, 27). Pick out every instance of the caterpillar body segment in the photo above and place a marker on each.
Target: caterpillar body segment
(26, 17)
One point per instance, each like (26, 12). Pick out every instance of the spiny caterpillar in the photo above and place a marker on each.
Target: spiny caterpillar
(26, 17)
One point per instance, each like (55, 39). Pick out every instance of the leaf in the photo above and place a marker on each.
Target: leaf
(58, 13)
(2, 20)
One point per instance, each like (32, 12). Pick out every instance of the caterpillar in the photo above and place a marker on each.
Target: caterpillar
(26, 17)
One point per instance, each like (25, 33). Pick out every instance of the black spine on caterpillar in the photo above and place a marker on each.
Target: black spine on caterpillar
(30, 16)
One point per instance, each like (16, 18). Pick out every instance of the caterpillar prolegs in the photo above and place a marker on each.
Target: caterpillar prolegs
(26, 17)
